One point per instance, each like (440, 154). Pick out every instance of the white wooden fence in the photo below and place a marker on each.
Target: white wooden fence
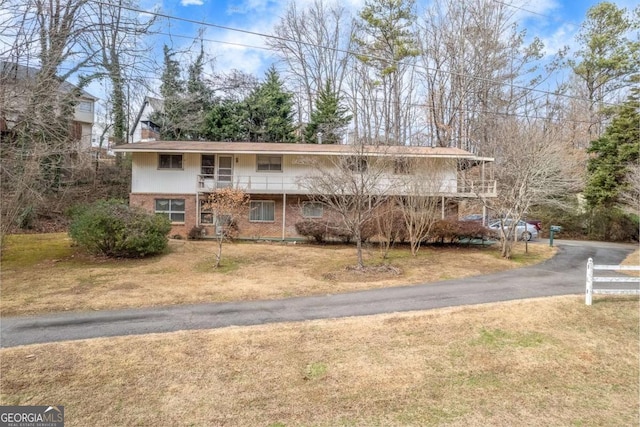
(610, 279)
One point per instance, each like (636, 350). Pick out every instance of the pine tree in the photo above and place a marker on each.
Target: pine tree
(615, 151)
(226, 121)
(329, 117)
(270, 111)
(198, 100)
(171, 89)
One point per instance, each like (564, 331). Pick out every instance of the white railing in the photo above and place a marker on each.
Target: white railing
(609, 279)
(278, 184)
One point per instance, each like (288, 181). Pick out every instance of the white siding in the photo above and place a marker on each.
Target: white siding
(147, 178)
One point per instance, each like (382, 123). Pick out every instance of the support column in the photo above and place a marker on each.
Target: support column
(442, 208)
(284, 214)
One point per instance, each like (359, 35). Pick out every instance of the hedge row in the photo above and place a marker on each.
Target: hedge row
(443, 231)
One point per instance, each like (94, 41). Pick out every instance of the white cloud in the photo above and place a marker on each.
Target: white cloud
(191, 2)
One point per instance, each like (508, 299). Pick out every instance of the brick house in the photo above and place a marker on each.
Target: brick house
(173, 178)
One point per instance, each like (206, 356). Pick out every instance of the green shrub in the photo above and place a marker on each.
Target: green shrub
(112, 228)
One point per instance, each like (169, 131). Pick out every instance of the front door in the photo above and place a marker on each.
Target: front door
(225, 171)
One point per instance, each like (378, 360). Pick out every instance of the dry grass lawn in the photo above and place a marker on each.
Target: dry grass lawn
(545, 362)
(44, 273)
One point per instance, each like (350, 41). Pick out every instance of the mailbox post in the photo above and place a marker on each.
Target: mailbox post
(552, 230)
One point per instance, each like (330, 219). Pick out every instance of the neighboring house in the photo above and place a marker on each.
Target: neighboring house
(174, 177)
(15, 83)
(144, 128)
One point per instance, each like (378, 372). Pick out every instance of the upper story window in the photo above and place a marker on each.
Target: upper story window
(269, 163)
(208, 166)
(170, 161)
(86, 106)
(357, 164)
(401, 166)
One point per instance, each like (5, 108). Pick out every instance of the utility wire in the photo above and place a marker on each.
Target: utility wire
(339, 50)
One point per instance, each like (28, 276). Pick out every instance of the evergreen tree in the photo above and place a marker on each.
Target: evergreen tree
(270, 111)
(615, 151)
(385, 42)
(607, 57)
(171, 89)
(329, 117)
(198, 100)
(226, 121)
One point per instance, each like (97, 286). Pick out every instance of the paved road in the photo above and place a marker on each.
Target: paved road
(562, 275)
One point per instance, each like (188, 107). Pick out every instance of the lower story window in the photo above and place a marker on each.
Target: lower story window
(173, 208)
(262, 211)
(312, 210)
(208, 217)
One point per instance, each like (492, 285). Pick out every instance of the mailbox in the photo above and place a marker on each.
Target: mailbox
(552, 230)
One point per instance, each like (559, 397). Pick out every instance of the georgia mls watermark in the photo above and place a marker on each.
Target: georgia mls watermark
(31, 416)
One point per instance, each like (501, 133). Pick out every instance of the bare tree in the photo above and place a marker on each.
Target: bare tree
(225, 204)
(37, 104)
(531, 168)
(475, 69)
(314, 44)
(352, 185)
(419, 204)
(118, 37)
(631, 194)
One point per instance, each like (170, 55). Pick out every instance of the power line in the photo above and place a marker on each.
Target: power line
(339, 50)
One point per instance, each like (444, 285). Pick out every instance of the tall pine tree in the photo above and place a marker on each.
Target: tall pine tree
(328, 118)
(172, 89)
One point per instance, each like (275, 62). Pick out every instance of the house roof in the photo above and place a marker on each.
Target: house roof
(283, 148)
(10, 71)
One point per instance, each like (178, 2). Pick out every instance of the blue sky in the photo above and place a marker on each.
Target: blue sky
(554, 21)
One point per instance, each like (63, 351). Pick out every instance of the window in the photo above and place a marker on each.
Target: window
(401, 166)
(269, 163)
(170, 161)
(312, 210)
(173, 208)
(86, 106)
(262, 211)
(357, 164)
(208, 164)
(206, 215)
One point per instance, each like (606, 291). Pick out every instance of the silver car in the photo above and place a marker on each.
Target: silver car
(524, 230)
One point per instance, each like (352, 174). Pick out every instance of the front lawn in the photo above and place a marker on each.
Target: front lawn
(542, 362)
(44, 273)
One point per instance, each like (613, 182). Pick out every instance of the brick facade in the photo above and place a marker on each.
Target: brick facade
(147, 202)
(247, 229)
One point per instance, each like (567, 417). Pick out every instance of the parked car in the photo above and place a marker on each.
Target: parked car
(472, 218)
(536, 223)
(524, 230)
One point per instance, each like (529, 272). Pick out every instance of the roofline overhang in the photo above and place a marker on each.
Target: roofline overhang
(281, 148)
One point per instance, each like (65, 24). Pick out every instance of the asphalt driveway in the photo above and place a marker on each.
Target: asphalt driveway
(564, 274)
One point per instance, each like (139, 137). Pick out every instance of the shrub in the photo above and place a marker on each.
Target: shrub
(315, 229)
(114, 229)
(196, 233)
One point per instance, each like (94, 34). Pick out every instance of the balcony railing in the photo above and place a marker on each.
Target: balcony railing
(279, 184)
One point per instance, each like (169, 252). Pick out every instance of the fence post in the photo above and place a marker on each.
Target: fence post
(589, 294)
